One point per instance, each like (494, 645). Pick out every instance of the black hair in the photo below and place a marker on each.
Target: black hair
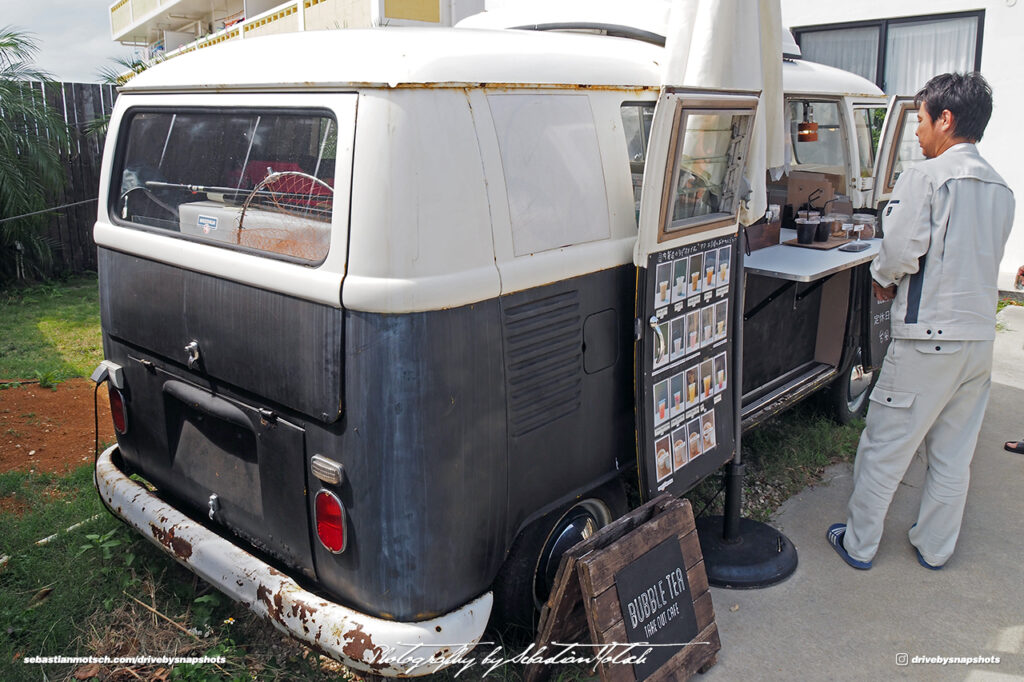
(967, 96)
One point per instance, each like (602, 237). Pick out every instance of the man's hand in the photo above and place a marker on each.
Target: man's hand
(883, 294)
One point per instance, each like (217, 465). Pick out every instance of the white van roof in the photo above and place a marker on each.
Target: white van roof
(394, 57)
(800, 76)
(649, 20)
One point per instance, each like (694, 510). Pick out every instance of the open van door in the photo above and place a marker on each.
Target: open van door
(686, 286)
(897, 148)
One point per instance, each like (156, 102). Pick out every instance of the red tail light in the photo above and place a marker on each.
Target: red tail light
(330, 521)
(118, 410)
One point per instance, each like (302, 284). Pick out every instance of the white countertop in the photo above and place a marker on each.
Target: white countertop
(805, 265)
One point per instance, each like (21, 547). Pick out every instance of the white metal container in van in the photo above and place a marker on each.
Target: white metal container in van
(373, 325)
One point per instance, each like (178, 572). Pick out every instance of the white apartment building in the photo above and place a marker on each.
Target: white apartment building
(163, 28)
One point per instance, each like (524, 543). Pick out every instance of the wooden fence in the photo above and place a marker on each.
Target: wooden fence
(69, 228)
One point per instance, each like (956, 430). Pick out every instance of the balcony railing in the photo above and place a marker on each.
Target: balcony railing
(126, 14)
(288, 17)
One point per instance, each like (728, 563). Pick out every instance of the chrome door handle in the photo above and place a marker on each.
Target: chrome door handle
(662, 346)
(192, 353)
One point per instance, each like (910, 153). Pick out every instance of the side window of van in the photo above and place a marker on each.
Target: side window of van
(826, 152)
(706, 168)
(906, 151)
(636, 124)
(259, 181)
(868, 123)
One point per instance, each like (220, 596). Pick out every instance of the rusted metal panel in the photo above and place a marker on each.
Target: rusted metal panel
(362, 642)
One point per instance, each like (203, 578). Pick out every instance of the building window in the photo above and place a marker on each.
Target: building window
(899, 55)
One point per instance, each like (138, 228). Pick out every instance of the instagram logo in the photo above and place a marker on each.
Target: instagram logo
(902, 659)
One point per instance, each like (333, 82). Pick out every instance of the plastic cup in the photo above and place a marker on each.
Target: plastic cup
(805, 230)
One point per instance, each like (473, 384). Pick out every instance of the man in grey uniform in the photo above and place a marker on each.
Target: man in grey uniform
(945, 228)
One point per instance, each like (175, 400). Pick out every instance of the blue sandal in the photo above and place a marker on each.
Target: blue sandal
(835, 538)
(920, 559)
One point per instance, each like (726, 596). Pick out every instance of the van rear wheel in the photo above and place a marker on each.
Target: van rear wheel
(528, 574)
(848, 395)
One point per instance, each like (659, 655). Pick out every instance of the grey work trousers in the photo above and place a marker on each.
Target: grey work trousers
(930, 392)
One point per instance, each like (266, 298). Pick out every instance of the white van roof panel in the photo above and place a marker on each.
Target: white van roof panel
(800, 76)
(392, 57)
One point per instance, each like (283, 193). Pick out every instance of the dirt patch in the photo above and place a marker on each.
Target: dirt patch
(12, 505)
(51, 430)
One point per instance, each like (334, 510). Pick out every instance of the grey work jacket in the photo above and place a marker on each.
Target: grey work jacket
(944, 233)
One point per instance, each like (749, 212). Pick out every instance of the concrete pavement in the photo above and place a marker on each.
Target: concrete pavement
(831, 622)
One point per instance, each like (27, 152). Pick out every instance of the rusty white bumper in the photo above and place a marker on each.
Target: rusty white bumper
(369, 644)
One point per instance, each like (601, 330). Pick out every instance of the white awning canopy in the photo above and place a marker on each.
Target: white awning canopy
(734, 45)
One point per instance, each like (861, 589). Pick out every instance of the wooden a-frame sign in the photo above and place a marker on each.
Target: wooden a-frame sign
(585, 598)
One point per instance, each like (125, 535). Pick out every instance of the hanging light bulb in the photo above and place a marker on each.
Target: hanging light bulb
(807, 131)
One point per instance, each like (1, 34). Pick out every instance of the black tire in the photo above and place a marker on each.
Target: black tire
(525, 579)
(848, 395)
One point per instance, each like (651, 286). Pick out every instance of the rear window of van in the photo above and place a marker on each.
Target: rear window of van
(256, 180)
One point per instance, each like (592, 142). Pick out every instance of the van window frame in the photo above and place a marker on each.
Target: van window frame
(669, 227)
(120, 149)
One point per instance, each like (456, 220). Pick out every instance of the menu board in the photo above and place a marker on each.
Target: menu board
(686, 367)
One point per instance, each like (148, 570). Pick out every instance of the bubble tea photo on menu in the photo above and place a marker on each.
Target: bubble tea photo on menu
(677, 393)
(692, 331)
(663, 280)
(679, 447)
(720, 378)
(678, 342)
(707, 380)
(707, 325)
(710, 270)
(721, 319)
(663, 457)
(707, 430)
(694, 439)
(696, 273)
(692, 390)
(661, 404)
(724, 261)
(680, 275)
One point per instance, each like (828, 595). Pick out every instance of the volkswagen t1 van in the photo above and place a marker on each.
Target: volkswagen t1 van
(369, 310)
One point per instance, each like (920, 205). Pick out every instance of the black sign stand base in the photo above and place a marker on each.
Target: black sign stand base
(741, 553)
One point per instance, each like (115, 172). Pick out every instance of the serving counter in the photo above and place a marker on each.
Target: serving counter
(804, 315)
(800, 264)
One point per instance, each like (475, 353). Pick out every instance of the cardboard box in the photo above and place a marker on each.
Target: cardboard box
(803, 184)
(761, 235)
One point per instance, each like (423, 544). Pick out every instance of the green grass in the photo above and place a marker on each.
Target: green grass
(50, 331)
(782, 457)
(69, 597)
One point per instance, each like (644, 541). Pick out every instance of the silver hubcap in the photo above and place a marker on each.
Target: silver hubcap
(859, 383)
(578, 524)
